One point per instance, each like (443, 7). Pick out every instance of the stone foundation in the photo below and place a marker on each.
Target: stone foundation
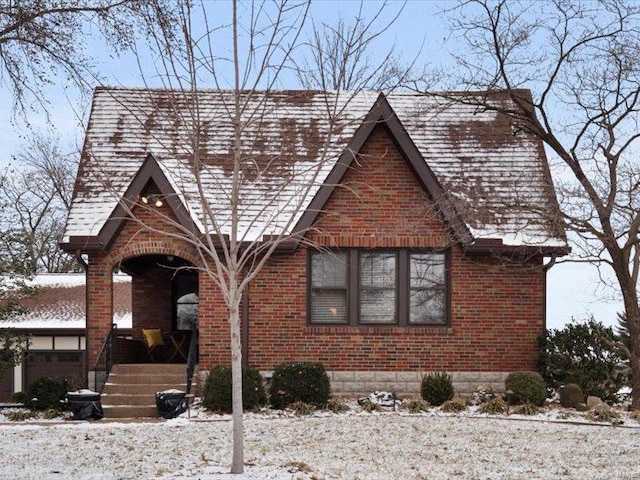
(408, 383)
(359, 383)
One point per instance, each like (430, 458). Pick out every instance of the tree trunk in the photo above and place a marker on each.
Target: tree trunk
(237, 465)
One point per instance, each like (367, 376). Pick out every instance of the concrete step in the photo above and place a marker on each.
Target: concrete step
(117, 399)
(148, 368)
(143, 378)
(142, 389)
(130, 391)
(130, 411)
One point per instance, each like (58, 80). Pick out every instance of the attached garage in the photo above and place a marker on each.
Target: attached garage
(68, 364)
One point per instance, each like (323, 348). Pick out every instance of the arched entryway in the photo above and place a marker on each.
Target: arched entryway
(164, 296)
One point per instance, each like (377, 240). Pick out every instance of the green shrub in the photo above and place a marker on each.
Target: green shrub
(19, 397)
(437, 388)
(494, 406)
(454, 405)
(299, 381)
(217, 393)
(571, 395)
(47, 393)
(526, 387)
(580, 353)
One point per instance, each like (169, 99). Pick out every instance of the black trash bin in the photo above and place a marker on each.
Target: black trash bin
(171, 403)
(85, 404)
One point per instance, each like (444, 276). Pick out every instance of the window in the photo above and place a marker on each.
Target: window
(329, 288)
(185, 303)
(378, 287)
(427, 288)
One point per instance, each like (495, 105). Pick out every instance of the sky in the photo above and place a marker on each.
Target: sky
(420, 33)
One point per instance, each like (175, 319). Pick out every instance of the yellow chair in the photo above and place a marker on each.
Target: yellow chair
(154, 340)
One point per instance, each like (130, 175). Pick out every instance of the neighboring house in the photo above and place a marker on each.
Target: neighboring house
(420, 246)
(55, 320)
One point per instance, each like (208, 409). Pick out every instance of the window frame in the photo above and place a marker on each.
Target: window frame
(402, 288)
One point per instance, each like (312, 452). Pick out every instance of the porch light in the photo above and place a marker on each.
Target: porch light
(153, 199)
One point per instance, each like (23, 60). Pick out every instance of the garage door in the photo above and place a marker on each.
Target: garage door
(69, 365)
(6, 385)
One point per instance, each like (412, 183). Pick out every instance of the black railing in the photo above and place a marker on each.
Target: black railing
(193, 356)
(106, 359)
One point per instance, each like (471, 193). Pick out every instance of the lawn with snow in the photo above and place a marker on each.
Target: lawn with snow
(324, 446)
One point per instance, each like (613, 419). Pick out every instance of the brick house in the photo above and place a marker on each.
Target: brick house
(418, 243)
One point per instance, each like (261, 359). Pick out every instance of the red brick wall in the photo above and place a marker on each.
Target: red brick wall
(151, 291)
(497, 307)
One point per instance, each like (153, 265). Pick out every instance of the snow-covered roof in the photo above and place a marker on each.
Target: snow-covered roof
(497, 180)
(60, 303)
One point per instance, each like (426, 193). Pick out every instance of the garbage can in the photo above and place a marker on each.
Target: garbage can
(171, 403)
(85, 404)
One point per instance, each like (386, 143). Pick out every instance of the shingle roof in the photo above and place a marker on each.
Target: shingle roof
(498, 181)
(60, 303)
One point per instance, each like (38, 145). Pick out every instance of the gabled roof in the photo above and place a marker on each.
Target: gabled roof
(491, 186)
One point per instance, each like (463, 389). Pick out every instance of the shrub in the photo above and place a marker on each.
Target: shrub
(454, 405)
(635, 415)
(571, 395)
(301, 408)
(604, 414)
(217, 393)
(417, 405)
(47, 393)
(19, 397)
(494, 406)
(369, 406)
(20, 415)
(526, 409)
(580, 353)
(437, 388)
(526, 387)
(299, 381)
(336, 406)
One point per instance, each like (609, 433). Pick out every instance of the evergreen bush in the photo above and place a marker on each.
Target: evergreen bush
(571, 395)
(437, 388)
(583, 353)
(47, 393)
(299, 381)
(217, 393)
(526, 387)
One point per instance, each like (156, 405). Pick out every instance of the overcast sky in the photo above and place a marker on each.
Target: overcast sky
(574, 291)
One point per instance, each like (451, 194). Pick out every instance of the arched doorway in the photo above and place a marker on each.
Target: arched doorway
(164, 296)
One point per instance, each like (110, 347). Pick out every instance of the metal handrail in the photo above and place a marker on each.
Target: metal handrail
(106, 358)
(193, 356)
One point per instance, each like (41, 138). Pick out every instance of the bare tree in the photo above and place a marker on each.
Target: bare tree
(35, 196)
(339, 56)
(42, 38)
(242, 171)
(581, 61)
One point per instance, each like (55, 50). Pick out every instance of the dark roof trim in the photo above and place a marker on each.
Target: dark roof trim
(149, 171)
(382, 114)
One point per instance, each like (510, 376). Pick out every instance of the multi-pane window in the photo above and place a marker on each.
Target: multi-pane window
(427, 295)
(377, 287)
(400, 287)
(329, 287)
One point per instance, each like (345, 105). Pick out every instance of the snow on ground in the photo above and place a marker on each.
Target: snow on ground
(360, 445)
